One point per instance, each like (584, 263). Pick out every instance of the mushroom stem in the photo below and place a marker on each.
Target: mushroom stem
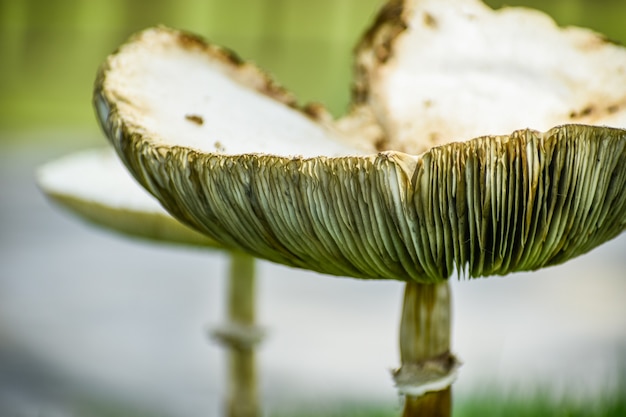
(241, 291)
(431, 404)
(428, 368)
(240, 335)
(243, 398)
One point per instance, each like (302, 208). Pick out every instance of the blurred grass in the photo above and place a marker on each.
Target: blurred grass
(540, 406)
(483, 405)
(538, 401)
(51, 49)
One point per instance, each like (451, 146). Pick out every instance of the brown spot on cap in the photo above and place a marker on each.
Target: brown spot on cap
(582, 113)
(316, 111)
(381, 144)
(194, 118)
(218, 146)
(189, 40)
(429, 20)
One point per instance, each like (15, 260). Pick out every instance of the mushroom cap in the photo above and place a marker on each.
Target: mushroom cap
(434, 71)
(96, 186)
(229, 153)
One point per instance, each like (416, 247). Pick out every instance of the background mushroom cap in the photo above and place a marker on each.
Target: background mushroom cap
(491, 205)
(95, 185)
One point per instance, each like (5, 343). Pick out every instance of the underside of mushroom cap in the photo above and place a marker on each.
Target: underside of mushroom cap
(435, 71)
(488, 206)
(96, 186)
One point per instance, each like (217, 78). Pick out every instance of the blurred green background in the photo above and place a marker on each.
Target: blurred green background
(50, 50)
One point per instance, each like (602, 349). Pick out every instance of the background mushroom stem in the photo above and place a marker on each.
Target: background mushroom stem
(240, 335)
(243, 397)
(242, 289)
(427, 366)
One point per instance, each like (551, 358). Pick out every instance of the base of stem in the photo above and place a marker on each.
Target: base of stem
(432, 404)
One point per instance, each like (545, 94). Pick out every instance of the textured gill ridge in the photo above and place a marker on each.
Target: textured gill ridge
(341, 216)
(496, 205)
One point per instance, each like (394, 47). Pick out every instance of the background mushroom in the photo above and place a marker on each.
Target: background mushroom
(94, 185)
(328, 202)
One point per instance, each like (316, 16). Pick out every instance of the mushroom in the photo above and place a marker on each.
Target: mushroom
(94, 185)
(470, 146)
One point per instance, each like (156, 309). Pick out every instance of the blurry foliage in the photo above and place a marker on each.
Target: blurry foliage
(51, 49)
(492, 406)
(492, 402)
